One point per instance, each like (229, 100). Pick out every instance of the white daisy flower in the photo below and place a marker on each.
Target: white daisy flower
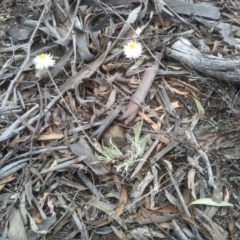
(43, 60)
(133, 49)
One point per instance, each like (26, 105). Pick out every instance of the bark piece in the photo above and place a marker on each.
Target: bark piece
(142, 91)
(199, 10)
(221, 68)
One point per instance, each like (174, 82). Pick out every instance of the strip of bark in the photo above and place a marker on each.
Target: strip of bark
(142, 91)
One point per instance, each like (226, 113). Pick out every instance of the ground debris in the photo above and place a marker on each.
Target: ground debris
(103, 146)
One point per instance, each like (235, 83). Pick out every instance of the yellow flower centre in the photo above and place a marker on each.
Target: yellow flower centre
(42, 56)
(132, 46)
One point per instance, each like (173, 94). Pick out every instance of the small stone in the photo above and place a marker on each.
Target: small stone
(117, 134)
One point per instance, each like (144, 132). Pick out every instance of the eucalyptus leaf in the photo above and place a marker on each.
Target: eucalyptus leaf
(210, 202)
(200, 109)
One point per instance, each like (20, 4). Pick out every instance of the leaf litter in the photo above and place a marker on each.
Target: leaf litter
(105, 146)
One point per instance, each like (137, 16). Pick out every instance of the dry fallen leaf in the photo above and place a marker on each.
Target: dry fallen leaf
(42, 200)
(191, 182)
(122, 201)
(50, 136)
(51, 206)
(154, 126)
(107, 208)
(16, 227)
(174, 105)
(6, 180)
(54, 163)
(174, 90)
(119, 233)
(112, 98)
